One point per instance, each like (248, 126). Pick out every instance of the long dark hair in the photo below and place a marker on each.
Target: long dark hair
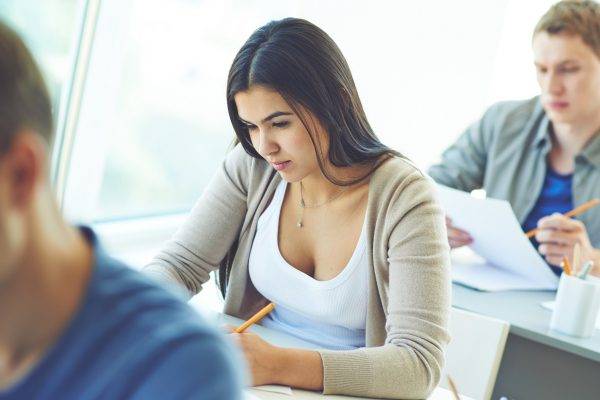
(304, 65)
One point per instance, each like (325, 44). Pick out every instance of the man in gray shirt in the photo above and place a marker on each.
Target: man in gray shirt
(543, 154)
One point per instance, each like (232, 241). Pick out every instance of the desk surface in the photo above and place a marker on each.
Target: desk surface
(438, 394)
(526, 316)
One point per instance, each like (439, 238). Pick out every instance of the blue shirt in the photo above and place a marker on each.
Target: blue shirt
(132, 339)
(556, 197)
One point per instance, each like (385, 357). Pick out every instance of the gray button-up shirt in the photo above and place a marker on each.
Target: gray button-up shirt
(505, 153)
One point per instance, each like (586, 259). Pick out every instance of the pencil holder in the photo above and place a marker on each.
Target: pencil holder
(577, 305)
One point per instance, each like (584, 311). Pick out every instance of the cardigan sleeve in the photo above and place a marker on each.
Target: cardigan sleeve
(409, 364)
(203, 240)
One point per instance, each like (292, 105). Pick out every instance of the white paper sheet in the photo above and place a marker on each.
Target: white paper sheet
(275, 389)
(549, 305)
(471, 270)
(249, 396)
(512, 262)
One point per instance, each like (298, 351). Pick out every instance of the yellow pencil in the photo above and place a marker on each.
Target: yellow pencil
(567, 266)
(255, 318)
(453, 388)
(573, 213)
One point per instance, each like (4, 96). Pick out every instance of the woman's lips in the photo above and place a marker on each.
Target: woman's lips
(282, 165)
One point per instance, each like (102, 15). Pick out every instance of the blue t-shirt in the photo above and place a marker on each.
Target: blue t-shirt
(131, 339)
(556, 197)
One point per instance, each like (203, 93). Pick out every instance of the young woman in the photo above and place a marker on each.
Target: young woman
(312, 212)
(543, 154)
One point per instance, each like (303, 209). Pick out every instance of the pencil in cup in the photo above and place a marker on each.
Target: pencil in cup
(573, 213)
(255, 318)
(566, 266)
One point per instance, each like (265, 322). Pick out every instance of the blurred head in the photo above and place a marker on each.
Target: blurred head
(293, 102)
(566, 47)
(25, 131)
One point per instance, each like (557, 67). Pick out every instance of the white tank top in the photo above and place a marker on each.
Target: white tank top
(330, 314)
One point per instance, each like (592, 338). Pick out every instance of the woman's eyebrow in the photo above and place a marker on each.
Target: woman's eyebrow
(270, 117)
(276, 114)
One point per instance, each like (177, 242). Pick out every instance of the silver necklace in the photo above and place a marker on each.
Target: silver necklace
(303, 204)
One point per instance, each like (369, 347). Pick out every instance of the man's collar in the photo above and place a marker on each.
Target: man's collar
(591, 152)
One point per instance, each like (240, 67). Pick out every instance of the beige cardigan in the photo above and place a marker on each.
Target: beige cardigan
(409, 282)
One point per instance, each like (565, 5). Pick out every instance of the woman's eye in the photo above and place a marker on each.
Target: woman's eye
(281, 124)
(250, 127)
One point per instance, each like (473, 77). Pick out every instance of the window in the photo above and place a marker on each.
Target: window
(49, 28)
(149, 119)
(152, 125)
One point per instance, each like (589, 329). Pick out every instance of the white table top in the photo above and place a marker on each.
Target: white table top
(252, 394)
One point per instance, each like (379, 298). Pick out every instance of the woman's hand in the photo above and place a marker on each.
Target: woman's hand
(558, 235)
(457, 237)
(280, 366)
(262, 358)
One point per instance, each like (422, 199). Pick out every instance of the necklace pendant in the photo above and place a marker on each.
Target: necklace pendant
(299, 224)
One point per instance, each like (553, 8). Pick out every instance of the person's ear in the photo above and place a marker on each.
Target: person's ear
(25, 160)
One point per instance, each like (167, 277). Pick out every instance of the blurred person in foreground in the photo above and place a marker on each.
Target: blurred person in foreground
(74, 323)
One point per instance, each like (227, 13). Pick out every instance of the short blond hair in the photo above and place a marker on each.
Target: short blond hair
(573, 17)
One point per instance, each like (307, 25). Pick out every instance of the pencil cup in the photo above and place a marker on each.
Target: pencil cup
(576, 307)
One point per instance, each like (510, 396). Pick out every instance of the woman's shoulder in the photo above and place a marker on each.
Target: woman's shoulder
(394, 172)
(398, 180)
(403, 199)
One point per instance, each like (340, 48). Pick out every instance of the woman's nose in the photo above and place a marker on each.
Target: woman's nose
(266, 144)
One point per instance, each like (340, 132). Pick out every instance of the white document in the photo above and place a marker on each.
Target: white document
(471, 270)
(249, 396)
(275, 389)
(510, 261)
(549, 305)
